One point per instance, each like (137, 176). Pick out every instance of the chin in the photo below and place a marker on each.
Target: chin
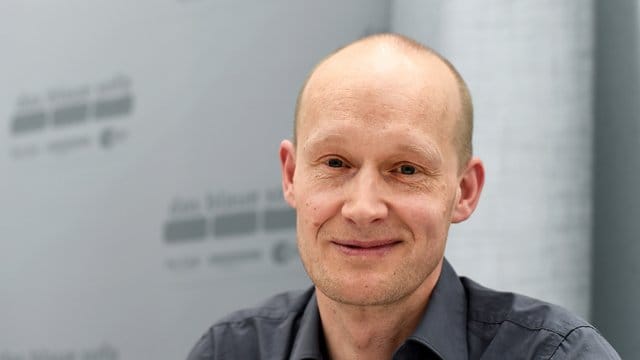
(363, 299)
(360, 293)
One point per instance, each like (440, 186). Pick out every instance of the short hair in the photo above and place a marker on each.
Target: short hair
(464, 127)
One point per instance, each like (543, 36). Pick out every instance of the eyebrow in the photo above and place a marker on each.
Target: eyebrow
(316, 139)
(426, 149)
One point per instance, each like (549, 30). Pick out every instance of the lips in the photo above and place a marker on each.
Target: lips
(365, 247)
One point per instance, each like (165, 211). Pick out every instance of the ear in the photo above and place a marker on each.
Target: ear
(288, 167)
(470, 186)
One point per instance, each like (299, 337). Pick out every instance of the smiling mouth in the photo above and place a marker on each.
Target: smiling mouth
(366, 248)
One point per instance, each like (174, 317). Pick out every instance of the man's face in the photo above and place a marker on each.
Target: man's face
(375, 183)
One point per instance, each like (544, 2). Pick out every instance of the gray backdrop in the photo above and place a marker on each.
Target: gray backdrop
(140, 188)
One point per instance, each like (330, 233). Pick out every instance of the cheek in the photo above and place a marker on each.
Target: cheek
(315, 207)
(426, 215)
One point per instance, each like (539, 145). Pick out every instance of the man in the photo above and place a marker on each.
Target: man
(379, 167)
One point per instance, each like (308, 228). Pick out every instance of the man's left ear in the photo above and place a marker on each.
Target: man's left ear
(469, 189)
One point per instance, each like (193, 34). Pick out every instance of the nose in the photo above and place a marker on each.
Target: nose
(364, 203)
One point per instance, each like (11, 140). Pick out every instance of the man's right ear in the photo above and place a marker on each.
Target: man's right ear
(288, 168)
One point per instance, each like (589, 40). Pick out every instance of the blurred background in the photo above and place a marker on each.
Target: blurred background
(139, 184)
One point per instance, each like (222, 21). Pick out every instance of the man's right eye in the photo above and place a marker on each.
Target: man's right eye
(335, 163)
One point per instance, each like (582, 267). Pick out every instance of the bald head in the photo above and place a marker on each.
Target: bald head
(393, 62)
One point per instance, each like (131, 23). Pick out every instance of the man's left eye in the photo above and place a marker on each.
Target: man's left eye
(407, 169)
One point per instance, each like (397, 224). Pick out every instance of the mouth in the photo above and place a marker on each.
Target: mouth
(365, 248)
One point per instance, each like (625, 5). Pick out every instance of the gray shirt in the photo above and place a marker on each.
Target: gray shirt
(462, 321)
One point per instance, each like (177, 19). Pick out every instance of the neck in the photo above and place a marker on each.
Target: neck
(372, 332)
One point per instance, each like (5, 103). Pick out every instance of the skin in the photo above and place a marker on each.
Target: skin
(376, 182)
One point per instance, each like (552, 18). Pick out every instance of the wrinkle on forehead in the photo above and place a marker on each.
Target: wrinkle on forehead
(377, 103)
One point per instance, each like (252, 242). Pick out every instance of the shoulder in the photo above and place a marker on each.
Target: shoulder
(265, 331)
(276, 308)
(494, 307)
(525, 327)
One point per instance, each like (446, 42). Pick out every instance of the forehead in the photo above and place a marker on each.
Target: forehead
(378, 91)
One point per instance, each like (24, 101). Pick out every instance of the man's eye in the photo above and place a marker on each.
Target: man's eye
(407, 169)
(335, 163)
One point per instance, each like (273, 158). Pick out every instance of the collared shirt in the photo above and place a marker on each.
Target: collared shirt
(463, 320)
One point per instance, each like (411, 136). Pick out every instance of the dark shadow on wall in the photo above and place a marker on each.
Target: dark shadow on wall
(616, 232)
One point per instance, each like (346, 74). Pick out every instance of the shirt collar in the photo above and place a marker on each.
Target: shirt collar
(309, 338)
(443, 328)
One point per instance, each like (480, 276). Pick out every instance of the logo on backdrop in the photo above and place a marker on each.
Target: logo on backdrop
(230, 230)
(71, 119)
